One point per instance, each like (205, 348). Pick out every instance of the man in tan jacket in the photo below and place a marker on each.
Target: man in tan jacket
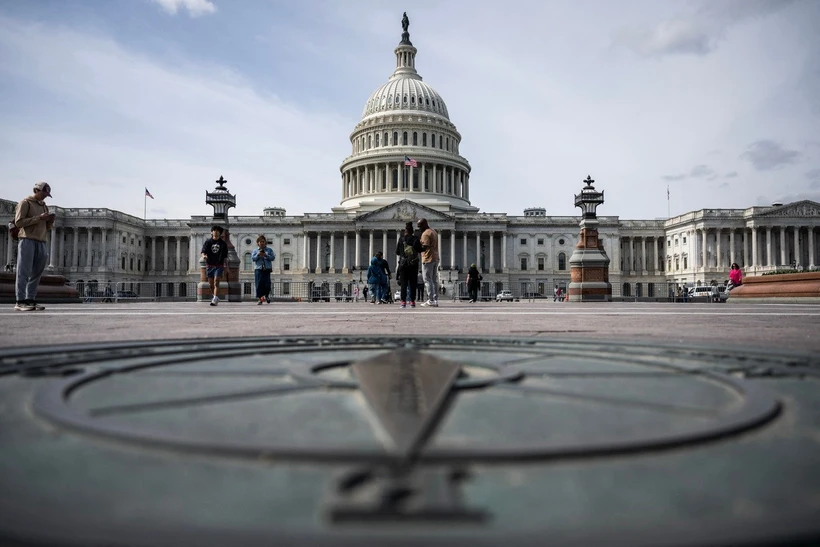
(35, 221)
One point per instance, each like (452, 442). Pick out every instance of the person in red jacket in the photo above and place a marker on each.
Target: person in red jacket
(735, 277)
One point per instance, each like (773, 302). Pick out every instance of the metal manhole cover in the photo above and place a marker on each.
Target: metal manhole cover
(407, 434)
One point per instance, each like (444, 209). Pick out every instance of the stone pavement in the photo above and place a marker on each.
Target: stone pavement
(790, 327)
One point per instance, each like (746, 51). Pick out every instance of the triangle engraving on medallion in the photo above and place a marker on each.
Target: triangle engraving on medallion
(407, 390)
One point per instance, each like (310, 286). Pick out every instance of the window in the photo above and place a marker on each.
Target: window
(684, 240)
(247, 263)
(677, 263)
(370, 141)
(286, 263)
(424, 139)
(540, 241)
(285, 288)
(523, 241)
(247, 241)
(286, 241)
(562, 261)
(131, 264)
(561, 241)
(541, 263)
(404, 138)
(377, 140)
(415, 139)
(122, 263)
(523, 262)
(139, 265)
(123, 239)
(395, 138)
(685, 262)
(386, 140)
(433, 140)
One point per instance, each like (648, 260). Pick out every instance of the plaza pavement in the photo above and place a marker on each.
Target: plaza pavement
(787, 327)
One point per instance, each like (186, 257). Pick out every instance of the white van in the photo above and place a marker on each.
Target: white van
(715, 293)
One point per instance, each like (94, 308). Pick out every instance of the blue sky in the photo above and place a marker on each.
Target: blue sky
(718, 100)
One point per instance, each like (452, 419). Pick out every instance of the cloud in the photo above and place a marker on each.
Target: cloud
(766, 155)
(732, 175)
(814, 178)
(697, 172)
(195, 7)
(697, 33)
(789, 198)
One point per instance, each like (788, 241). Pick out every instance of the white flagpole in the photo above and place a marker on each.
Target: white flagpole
(144, 204)
(668, 203)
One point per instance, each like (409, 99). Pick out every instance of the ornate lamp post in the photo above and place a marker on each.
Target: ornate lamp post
(222, 200)
(589, 264)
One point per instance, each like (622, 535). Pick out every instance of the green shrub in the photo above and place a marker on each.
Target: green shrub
(792, 271)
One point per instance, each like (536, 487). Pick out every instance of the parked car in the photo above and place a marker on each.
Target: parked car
(715, 293)
(504, 296)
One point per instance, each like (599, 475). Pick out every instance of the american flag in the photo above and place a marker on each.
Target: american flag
(148, 194)
(410, 161)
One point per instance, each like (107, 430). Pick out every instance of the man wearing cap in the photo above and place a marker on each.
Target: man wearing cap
(35, 221)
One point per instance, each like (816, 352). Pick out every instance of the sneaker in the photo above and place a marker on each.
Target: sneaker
(434, 303)
(23, 306)
(36, 306)
(412, 304)
(404, 305)
(215, 301)
(259, 303)
(425, 304)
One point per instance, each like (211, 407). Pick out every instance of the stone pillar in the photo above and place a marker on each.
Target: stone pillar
(452, 249)
(589, 267)
(464, 263)
(643, 256)
(61, 258)
(178, 257)
(332, 252)
(345, 268)
(154, 254)
(783, 245)
(812, 261)
(53, 247)
(371, 250)
(104, 259)
(165, 254)
(755, 261)
(704, 252)
(768, 245)
(384, 244)
(75, 249)
(731, 247)
(304, 266)
(504, 236)
(796, 232)
(319, 253)
(478, 248)
(439, 248)
(656, 258)
(492, 253)
(423, 181)
(357, 251)
(718, 237)
(88, 248)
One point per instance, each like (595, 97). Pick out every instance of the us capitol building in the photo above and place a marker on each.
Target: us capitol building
(406, 118)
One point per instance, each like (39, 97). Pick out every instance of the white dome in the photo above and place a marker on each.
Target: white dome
(405, 94)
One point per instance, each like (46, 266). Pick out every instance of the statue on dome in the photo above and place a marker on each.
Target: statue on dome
(405, 22)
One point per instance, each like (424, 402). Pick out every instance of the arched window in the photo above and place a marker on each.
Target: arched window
(424, 139)
(377, 140)
(448, 144)
(390, 100)
(395, 138)
(415, 139)
(413, 100)
(433, 140)
(247, 264)
(404, 139)
(562, 261)
(386, 138)
(369, 141)
(441, 143)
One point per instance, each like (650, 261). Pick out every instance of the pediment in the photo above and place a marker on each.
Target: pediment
(804, 208)
(404, 211)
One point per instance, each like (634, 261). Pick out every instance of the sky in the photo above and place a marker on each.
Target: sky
(671, 106)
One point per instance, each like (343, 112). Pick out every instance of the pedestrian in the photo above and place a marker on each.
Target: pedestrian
(365, 291)
(356, 293)
(408, 249)
(377, 279)
(556, 294)
(34, 220)
(262, 257)
(429, 261)
(387, 297)
(215, 253)
(88, 293)
(735, 277)
(473, 282)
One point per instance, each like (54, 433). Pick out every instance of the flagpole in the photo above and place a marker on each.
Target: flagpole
(144, 204)
(668, 203)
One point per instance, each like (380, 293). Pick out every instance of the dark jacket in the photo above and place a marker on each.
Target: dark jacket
(215, 251)
(375, 273)
(473, 276)
(405, 265)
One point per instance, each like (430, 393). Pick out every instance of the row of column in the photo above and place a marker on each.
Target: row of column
(378, 178)
(634, 254)
(764, 246)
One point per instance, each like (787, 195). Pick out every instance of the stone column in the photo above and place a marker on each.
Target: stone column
(478, 248)
(492, 253)
(657, 251)
(434, 185)
(464, 263)
(384, 243)
(782, 245)
(768, 245)
(504, 251)
(154, 254)
(357, 251)
(812, 261)
(75, 249)
(88, 248)
(305, 241)
(718, 233)
(439, 248)
(319, 254)
(755, 261)
(423, 180)
(61, 258)
(747, 248)
(452, 249)
(643, 256)
(731, 247)
(371, 250)
(345, 268)
(704, 253)
(332, 252)
(165, 254)
(104, 259)
(53, 247)
(177, 258)
(796, 231)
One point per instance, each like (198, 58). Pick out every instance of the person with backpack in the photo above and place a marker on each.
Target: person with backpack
(377, 279)
(408, 250)
(473, 282)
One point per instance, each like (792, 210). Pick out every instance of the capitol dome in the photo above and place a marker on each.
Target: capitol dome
(405, 146)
